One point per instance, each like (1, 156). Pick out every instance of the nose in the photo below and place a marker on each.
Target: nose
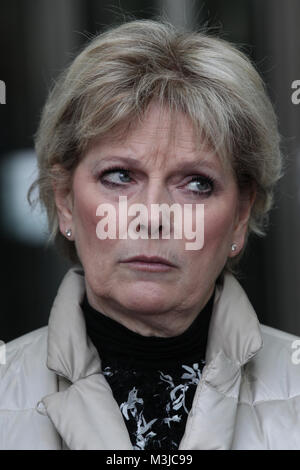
(155, 220)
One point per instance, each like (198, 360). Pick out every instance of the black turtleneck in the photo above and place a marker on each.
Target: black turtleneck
(153, 379)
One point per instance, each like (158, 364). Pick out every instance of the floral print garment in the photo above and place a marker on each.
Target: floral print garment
(153, 379)
(155, 404)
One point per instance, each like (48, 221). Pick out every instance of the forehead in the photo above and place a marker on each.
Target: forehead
(160, 138)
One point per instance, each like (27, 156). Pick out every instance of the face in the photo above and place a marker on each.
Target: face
(150, 168)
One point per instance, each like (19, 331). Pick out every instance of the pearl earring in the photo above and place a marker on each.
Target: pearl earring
(233, 247)
(68, 232)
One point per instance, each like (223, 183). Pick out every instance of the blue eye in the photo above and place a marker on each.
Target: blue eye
(203, 185)
(119, 176)
(115, 180)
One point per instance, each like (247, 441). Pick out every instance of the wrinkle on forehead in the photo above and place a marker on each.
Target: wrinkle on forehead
(165, 135)
(169, 132)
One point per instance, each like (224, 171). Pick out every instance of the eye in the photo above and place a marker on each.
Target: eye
(201, 185)
(115, 176)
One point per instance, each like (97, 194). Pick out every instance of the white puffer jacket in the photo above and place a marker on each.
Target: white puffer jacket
(54, 396)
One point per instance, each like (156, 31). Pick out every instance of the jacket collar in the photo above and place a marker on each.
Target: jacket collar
(70, 351)
(234, 326)
(234, 337)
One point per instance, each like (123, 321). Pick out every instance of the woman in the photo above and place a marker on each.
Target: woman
(150, 344)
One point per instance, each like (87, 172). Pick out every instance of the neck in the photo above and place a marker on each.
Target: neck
(161, 324)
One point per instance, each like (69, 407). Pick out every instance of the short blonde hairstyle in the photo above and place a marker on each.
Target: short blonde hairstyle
(114, 79)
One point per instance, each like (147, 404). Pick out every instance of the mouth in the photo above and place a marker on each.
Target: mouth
(149, 263)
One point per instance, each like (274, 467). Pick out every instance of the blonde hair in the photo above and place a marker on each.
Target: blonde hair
(114, 79)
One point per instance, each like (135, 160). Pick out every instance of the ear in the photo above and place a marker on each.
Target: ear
(63, 197)
(246, 201)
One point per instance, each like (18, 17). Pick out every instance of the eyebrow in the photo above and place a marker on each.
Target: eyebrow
(191, 165)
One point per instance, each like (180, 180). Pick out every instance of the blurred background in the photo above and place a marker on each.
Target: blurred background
(38, 38)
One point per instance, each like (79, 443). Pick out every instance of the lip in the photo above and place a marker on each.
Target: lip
(149, 263)
(149, 259)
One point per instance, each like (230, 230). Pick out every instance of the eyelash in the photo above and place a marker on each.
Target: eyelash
(207, 179)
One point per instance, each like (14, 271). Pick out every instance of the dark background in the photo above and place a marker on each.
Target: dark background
(38, 38)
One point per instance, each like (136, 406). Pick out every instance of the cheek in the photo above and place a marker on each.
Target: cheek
(218, 225)
(86, 202)
(218, 228)
(92, 251)
(85, 218)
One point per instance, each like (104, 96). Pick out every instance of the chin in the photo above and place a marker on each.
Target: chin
(145, 302)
